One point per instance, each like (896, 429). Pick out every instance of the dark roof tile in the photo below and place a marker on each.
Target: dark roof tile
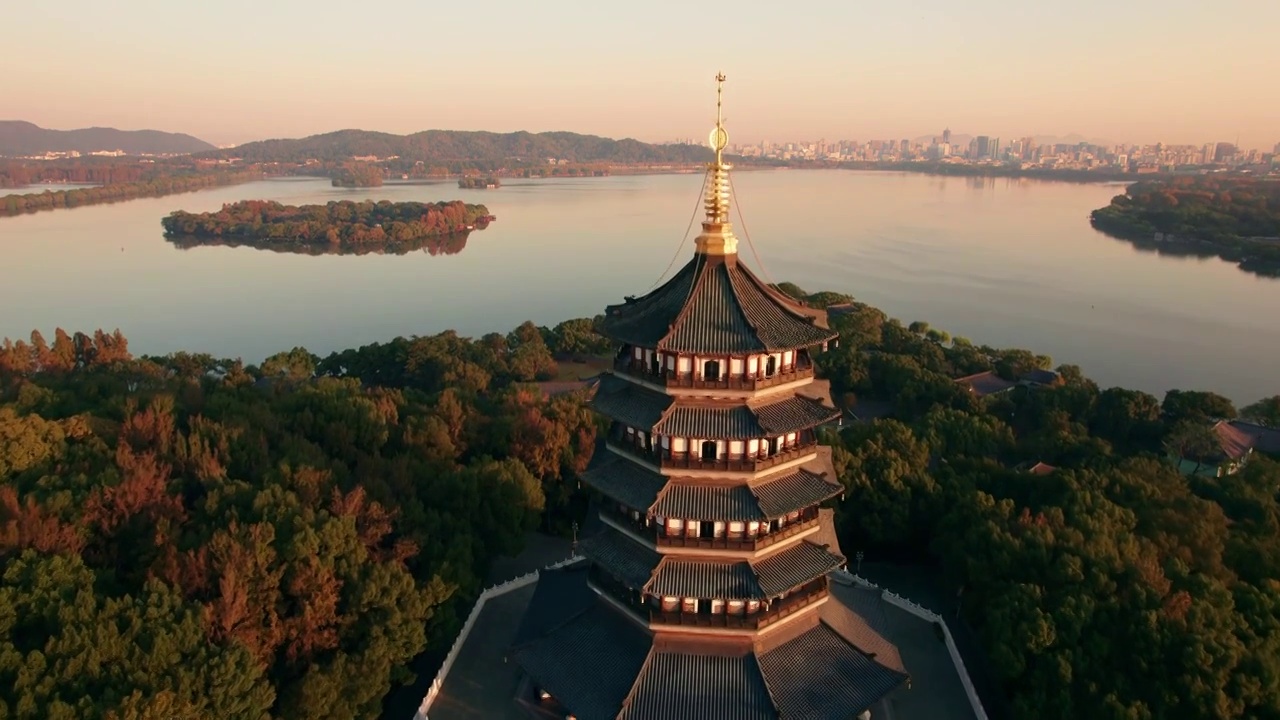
(857, 615)
(623, 480)
(794, 566)
(819, 676)
(708, 502)
(560, 595)
(704, 579)
(624, 558)
(793, 414)
(677, 685)
(716, 306)
(590, 663)
(794, 491)
(629, 403)
(759, 419)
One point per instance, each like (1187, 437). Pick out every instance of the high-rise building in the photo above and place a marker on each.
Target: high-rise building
(705, 592)
(946, 136)
(981, 147)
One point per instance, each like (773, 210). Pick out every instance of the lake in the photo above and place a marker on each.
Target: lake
(1006, 262)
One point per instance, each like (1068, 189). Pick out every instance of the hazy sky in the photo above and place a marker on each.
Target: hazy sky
(1180, 71)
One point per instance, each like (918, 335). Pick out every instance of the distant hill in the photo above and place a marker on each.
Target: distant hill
(444, 146)
(23, 138)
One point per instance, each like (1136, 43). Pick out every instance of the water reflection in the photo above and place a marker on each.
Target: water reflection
(436, 245)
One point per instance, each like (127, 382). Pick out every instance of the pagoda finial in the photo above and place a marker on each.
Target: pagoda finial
(717, 234)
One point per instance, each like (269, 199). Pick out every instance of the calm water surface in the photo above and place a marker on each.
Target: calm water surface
(1000, 261)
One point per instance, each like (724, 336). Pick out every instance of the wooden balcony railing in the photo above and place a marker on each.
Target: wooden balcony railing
(657, 535)
(806, 444)
(639, 370)
(799, 599)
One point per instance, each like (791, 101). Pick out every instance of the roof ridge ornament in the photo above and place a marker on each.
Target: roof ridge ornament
(717, 236)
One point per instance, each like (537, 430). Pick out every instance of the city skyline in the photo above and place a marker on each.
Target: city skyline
(247, 71)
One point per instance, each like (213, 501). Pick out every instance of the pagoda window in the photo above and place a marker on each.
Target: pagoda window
(670, 604)
(689, 605)
(775, 446)
(638, 353)
(684, 366)
(788, 359)
(735, 448)
(771, 366)
(711, 370)
(679, 445)
(718, 529)
(753, 447)
(791, 439)
(793, 516)
(707, 530)
(735, 367)
(753, 529)
(655, 364)
(753, 365)
(675, 526)
(736, 607)
(736, 530)
(671, 362)
(717, 606)
(692, 528)
(753, 607)
(709, 450)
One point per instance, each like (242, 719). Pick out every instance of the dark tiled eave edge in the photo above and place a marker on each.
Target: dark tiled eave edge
(847, 680)
(759, 579)
(602, 666)
(675, 685)
(624, 558)
(589, 663)
(629, 403)
(773, 497)
(743, 422)
(623, 480)
(646, 320)
(716, 305)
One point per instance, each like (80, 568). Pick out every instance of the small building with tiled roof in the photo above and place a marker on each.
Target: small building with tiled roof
(1041, 468)
(705, 591)
(987, 383)
(1235, 443)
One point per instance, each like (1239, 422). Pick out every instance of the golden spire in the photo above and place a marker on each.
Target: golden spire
(717, 236)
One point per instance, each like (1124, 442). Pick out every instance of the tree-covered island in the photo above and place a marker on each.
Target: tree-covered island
(189, 537)
(479, 183)
(1235, 218)
(341, 226)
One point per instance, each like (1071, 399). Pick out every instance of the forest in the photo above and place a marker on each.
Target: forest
(293, 533)
(441, 147)
(345, 224)
(355, 174)
(149, 183)
(1236, 218)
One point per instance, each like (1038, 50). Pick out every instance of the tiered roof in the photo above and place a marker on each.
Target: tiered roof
(714, 304)
(652, 411)
(823, 665)
(765, 499)
(653, 573)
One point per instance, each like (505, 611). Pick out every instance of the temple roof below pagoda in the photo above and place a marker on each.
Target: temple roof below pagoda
(640, 567)
(762, 500)
(599, 664)
(652, 411)
(716, 305)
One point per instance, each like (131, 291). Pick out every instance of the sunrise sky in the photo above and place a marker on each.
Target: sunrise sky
(1177, 71)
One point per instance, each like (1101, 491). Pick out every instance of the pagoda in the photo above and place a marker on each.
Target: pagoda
(706, 591)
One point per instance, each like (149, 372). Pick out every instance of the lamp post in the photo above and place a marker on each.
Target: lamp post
(858, 557)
